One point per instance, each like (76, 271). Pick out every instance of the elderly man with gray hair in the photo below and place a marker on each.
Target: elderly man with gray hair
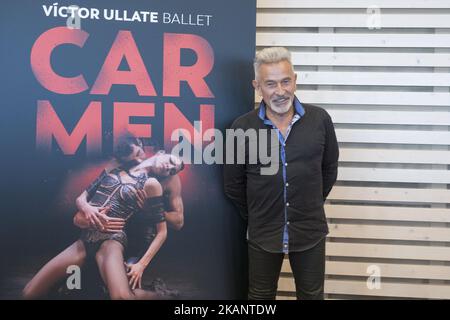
(285, 211)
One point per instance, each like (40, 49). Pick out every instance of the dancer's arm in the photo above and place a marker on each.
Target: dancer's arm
(80, 221)
(90, 212)
(175, 213)
(88, 215)
(136, 270)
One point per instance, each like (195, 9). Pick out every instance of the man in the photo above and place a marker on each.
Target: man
(285, 210)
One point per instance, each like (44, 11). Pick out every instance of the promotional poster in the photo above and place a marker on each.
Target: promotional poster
(78, 78)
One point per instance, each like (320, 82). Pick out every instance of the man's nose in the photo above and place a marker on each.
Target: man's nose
(279, 90)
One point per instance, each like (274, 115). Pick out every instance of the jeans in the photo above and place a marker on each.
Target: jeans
(307, 266)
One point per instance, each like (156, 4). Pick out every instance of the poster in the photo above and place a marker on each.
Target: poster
(76, 76)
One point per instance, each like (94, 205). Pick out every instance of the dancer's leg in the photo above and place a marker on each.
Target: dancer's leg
(112, 269)
(54, 270)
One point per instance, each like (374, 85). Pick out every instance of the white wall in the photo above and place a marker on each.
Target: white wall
(388, 92)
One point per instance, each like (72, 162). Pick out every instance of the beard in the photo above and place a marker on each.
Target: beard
(281, 105)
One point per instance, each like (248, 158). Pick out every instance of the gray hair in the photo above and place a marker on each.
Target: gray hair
(271, 55)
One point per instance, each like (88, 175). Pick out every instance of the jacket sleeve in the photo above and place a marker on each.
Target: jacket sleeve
(235, 180)
(330, 157)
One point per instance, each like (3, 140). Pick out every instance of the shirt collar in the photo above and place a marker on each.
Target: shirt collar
(298, 109)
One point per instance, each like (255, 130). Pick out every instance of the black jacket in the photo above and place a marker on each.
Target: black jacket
(312, 156)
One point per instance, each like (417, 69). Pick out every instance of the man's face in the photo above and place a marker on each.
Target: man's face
(167, 165)
(276, 84)
(137, 153)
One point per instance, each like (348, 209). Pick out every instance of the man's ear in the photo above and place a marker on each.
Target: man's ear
(257, 87)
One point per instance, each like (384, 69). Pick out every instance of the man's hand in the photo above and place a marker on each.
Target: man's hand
(109, 224)
(99, 220)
